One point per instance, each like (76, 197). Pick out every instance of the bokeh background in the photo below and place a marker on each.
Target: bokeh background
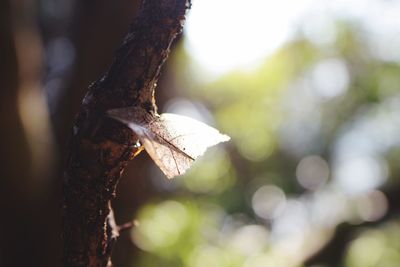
(308, 90)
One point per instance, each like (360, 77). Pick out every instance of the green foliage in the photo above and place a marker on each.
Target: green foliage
(315, 144)
(375, 247)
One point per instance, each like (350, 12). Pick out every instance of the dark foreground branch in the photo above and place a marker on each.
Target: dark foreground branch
(99, 147)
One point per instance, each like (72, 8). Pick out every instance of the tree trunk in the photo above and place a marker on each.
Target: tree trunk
(99, 147)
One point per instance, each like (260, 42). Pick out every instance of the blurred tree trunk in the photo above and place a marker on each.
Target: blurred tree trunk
(99, 147)
(26, 143)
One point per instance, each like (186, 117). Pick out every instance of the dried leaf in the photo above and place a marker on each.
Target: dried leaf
(172, 141)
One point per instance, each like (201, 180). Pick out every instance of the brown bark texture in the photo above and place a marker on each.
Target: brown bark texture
(100, 147)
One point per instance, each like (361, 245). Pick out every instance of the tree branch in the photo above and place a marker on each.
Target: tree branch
(99, 148)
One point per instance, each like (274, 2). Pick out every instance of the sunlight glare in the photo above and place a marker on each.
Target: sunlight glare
(227, 34)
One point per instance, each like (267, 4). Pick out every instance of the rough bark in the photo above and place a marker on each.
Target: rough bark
(99, 147)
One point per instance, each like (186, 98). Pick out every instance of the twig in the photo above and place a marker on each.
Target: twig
(127, 226)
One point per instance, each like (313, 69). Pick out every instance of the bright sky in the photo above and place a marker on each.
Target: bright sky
(226, 34)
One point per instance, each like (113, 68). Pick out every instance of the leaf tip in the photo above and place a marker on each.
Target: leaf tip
(225, 138)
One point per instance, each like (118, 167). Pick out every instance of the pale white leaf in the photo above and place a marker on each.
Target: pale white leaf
(172, 141)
